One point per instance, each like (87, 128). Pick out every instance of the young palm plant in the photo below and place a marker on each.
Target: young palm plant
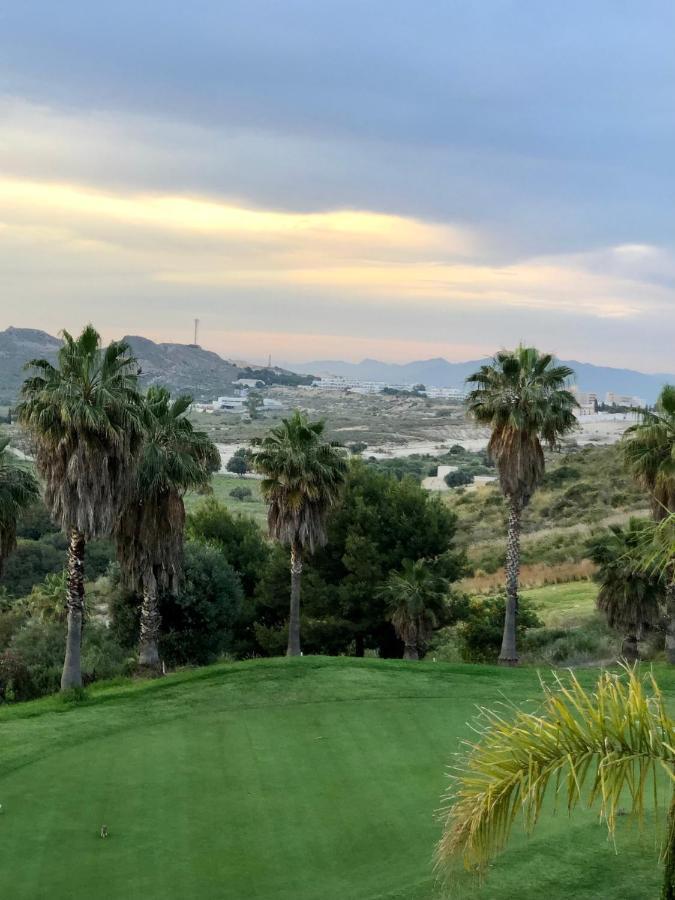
(302, 479)
(18, 489)
(522, 397)
(649, 451)
(83, 417)
(629, 592)
(416, 601)
(605, 747)
(174, 458)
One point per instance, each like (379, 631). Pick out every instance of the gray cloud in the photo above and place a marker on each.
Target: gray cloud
(547, 127)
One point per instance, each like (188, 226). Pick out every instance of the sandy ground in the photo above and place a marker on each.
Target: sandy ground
(600, 430)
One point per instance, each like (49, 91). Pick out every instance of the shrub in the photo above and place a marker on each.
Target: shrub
(238, 538)
(237, 465)
(458, 478)
(480, 634)
(357, 447)
(241, 493)
(197, 623)
(31, 666)
(593, 643)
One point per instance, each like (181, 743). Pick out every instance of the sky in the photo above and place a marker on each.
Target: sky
(339, 179)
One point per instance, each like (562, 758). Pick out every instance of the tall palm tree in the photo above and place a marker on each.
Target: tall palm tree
(605, 747)
(302, 479)
(629, 594)
(18, 489)
(174, 458)
(522, 397)
(649, 451)
(83, 417)
(415, 600)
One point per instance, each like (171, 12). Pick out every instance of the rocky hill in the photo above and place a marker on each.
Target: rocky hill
(17, 346)
(181, 367)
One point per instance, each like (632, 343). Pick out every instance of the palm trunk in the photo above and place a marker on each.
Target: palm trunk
(294, 618)
(629, 648)
(72, 669)
(148, 650)
(509, 655)
(670, 626)
(668, 891)
(410, 651)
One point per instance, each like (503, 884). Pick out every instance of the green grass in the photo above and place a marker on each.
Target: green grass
(309, 779)
(564, 605)
(222, 485)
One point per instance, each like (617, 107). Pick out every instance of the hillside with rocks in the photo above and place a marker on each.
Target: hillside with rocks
(183, 368)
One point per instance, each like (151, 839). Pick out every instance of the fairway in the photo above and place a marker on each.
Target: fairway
(307, 779)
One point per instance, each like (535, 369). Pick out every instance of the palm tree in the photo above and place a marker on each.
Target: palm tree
(604, 747)
(629, 594)
(521, 395)
(302, 479)
(18, 489)
(174, 459)
(415, 600)
(649, 451)
(83, 417)
(46, 601)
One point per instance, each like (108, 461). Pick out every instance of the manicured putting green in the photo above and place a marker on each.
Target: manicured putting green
(310, 779)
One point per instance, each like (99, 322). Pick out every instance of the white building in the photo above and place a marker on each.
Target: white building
(445, 393)
(338, 383)
(613, 399)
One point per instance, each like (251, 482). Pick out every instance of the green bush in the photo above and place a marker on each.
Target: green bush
(241, 493)
(198, 623)
(31, 666)
(594, 642)
(458, 478)
(480, 633)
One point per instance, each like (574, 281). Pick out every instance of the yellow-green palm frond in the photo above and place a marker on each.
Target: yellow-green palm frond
(604, 747)
(659, 549)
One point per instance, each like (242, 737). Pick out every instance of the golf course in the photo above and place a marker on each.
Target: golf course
(296, 778)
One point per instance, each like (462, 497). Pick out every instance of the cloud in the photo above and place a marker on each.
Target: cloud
(382, 175)
(360, 258)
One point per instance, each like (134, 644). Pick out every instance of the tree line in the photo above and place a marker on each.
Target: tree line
(372, 556)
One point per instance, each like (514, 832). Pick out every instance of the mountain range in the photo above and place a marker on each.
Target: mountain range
(205, 374)
(440, 372)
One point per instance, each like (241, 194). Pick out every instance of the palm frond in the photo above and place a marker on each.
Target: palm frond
(522, 397)
(302, 479)
(597, 747)
(649, 452)
(83, 416)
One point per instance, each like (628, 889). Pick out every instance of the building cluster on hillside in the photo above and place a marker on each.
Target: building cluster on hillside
(358, 386)
(238, 401)
(589, 402)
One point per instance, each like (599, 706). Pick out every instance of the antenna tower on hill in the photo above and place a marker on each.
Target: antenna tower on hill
(196, 331)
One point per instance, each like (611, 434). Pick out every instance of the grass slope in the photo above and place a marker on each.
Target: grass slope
(564, 605)
(222, 485)
(297, 780)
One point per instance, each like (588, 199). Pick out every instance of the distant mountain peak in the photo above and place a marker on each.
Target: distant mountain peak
(439, 372)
